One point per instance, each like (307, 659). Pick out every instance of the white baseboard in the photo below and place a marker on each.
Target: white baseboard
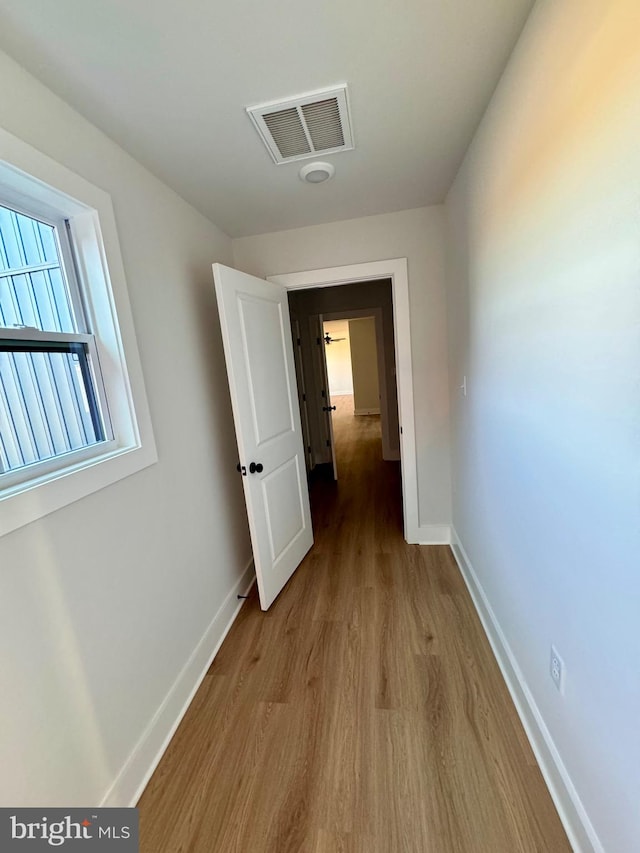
(145, 757)
(366, 411)
(431, 534)
(579, 829)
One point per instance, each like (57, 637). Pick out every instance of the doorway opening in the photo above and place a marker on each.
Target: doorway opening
(354, 354)
(394, 271)
(351, 352)
(364, 314)
(344, 346)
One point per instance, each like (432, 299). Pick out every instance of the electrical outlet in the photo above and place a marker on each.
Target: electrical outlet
(556, 669)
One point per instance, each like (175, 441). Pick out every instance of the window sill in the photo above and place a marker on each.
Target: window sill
(26, 502)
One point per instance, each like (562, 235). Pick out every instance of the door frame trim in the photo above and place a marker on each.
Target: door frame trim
(395, 269)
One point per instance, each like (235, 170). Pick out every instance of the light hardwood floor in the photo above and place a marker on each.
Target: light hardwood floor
(364, 712)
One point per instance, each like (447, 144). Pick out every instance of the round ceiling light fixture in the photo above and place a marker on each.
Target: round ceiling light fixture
(317, 173)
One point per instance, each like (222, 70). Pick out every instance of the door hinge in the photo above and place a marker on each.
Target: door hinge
(308, 448)
(400, 430)
(328, 443)
(299, 342)
(322, 394)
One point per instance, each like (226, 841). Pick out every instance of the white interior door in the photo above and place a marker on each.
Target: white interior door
(318, 324)
(328, 407)
(254, 316)
(302, 392)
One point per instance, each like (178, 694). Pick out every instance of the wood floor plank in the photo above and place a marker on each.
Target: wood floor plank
(363, 713)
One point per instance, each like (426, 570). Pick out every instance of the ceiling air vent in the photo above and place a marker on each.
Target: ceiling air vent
(306, 125)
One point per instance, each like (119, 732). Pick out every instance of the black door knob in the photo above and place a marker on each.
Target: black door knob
(328, 408)
(256, 468)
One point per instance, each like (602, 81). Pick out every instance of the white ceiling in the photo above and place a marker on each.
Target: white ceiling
(169, 81)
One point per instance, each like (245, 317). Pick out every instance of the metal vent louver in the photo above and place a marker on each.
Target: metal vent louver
(301, 127)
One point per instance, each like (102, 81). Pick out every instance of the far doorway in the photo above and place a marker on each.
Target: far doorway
(400, 384)
(345, 354)
(354, 354)
(355, 358)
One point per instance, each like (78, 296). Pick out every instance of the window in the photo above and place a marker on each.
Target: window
(51, 391)
(73, 412)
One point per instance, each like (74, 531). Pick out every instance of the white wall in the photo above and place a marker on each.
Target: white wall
(544, 282)
(103, 602)
(418, 236)
(338, 355)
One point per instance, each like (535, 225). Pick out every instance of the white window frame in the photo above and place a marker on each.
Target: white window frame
(41, 187)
